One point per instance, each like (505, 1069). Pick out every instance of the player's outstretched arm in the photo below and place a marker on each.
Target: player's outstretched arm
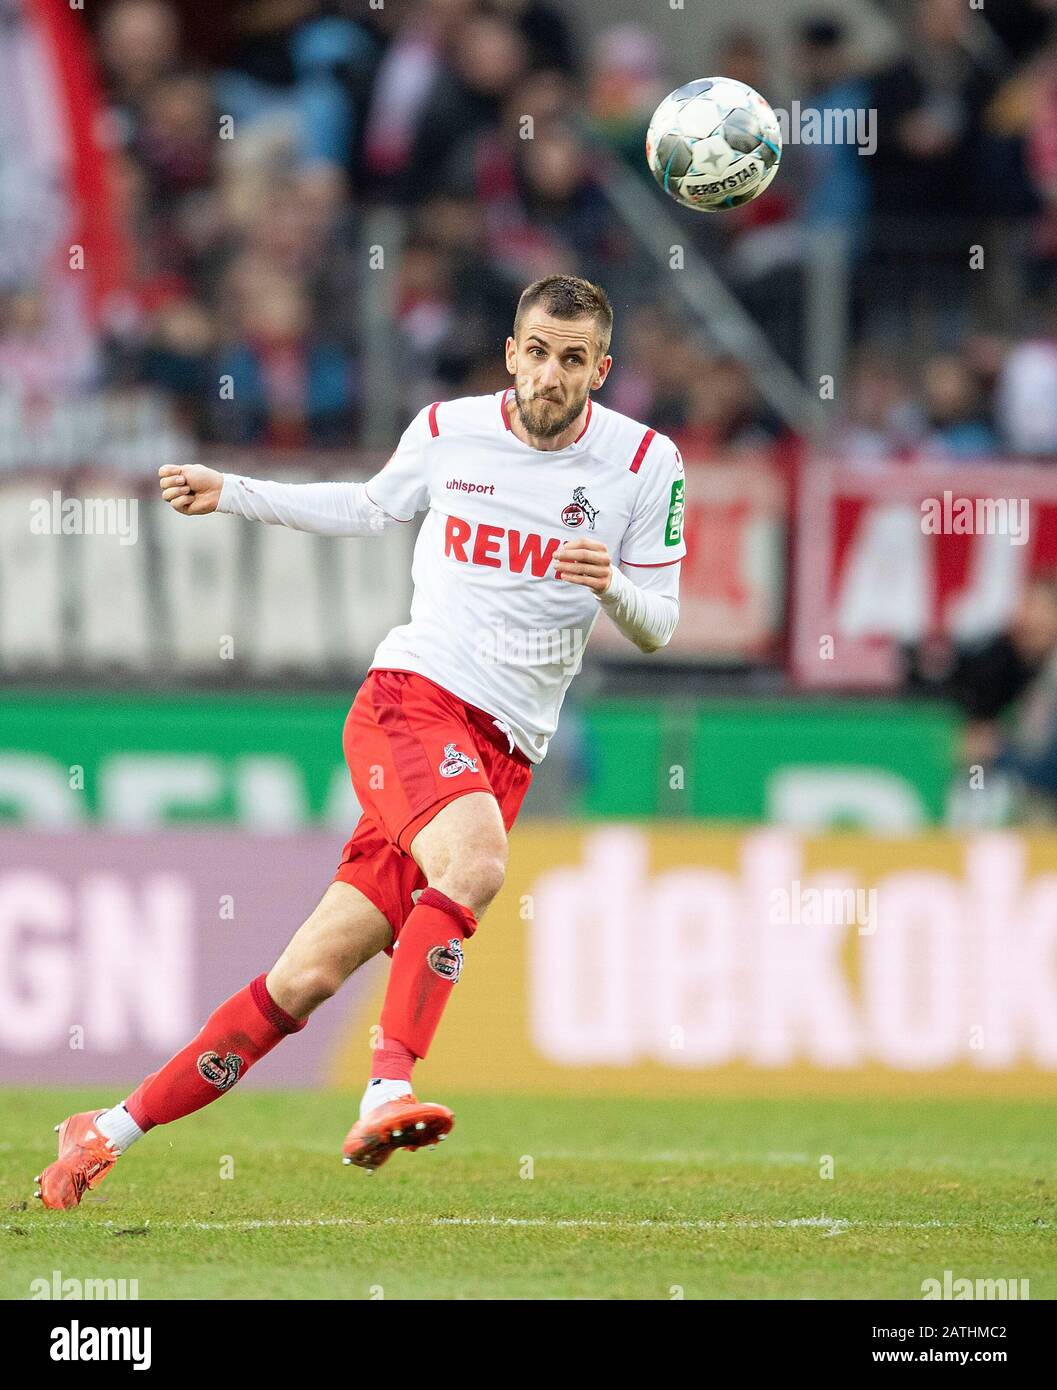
(325, 509)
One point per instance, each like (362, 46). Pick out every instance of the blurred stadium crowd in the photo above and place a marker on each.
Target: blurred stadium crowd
(246, 250)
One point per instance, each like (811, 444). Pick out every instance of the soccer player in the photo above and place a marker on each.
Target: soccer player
(542, 509)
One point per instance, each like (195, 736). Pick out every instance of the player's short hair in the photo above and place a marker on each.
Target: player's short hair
(569, 297)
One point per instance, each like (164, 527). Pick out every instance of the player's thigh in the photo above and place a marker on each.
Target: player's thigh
(344, 931)
(463, 849)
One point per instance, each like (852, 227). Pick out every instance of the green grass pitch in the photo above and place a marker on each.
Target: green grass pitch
(549, 1199)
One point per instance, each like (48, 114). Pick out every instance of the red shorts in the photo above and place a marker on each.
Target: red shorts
(412, 747)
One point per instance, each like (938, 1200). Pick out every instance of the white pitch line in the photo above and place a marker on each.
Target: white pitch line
(516, 1222)
(829, 1226)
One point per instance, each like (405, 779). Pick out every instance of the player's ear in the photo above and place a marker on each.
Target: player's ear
(601, 371)
(511, 355)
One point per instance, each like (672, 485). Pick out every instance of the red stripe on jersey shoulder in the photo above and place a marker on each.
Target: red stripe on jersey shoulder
(586, 423)
(657, 565)
(647, 440)
(434, 428)
(502, 409)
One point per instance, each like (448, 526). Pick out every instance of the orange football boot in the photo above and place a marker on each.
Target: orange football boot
(404, 1123)
(85, 1158)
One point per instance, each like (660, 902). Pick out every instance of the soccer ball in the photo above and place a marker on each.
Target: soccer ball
(714, 144)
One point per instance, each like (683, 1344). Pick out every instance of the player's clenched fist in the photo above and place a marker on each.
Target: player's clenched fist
(191, 488)
(585, 562)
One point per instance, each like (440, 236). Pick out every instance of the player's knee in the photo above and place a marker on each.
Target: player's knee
(489, 877)
(313, 985)
(475, 880)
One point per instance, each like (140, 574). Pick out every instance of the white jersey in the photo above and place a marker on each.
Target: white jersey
(489, 619)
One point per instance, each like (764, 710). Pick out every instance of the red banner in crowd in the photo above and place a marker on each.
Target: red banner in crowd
(63, 251)
(887, 559)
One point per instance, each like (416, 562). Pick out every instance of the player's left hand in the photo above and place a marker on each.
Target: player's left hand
(585, 562)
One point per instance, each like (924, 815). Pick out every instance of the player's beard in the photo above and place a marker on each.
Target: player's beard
(542, 420)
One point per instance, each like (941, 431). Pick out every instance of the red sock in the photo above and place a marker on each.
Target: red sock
(427, 960)
(239, 1033)
(393, 1062)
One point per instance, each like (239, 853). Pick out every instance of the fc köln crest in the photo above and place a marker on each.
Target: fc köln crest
(579, 510)
(455, 762)
(446, 961)
(221, 1072)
